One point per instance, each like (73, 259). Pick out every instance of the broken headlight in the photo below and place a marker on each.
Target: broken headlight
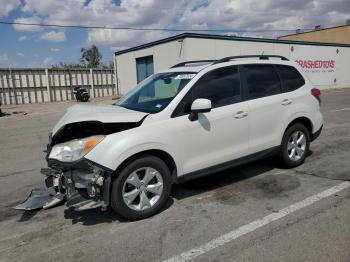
(74, 150)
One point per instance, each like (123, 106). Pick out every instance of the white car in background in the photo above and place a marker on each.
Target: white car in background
(193, 119)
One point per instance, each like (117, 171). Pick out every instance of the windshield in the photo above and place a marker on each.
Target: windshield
(154, 93)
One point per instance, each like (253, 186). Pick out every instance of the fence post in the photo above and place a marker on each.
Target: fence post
(14, 87)
(92, 83)
(48, 84)
(115, 75)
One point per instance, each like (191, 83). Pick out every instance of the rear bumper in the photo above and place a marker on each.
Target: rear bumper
(316, 134)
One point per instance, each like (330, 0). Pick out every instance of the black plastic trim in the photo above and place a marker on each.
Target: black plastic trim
(223, 37)
(229, 164)
(82, 163)
(261, 57)
(193, 62)
(316, 134)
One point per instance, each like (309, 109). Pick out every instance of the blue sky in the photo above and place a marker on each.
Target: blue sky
(33, 51)
(22, 46)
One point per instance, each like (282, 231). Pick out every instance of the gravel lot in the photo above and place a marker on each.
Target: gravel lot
(198, 211)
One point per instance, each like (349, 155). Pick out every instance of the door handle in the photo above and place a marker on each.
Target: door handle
(286, 102)
(241, 114)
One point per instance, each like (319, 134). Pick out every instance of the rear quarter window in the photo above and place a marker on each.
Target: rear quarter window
(262, 80)
(291, 78)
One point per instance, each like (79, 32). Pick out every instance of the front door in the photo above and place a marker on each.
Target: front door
(220, 135)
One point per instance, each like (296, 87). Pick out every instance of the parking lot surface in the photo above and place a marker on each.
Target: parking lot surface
(256, 212)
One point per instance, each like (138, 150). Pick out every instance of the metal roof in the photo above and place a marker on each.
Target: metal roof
(316, 31)
(225, 37)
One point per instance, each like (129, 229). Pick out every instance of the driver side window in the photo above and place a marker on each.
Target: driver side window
(221, 86)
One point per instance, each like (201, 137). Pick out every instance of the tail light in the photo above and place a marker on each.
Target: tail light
(316, 93)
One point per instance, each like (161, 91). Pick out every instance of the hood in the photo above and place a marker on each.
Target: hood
(104, 114)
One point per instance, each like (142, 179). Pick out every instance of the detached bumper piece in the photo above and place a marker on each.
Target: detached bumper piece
(83, 188)
(45, 197)
(41, 198)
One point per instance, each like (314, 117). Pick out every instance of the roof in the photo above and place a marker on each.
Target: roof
(315, 31)
(190, 69)
(225, 37)
(196, 66)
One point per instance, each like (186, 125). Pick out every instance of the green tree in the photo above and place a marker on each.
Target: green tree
(91, 57)
(67, 65)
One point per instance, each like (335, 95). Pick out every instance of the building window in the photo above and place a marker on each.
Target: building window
(144, 67)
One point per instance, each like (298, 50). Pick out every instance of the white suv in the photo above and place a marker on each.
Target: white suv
(193, 119)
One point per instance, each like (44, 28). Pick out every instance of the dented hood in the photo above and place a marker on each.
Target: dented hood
(104, 114)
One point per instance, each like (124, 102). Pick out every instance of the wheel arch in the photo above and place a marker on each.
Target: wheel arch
(302, 120)
(161, 154)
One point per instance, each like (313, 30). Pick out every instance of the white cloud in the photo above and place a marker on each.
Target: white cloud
(7, 6)
(55, 49)
(233, 15)
(4, 59)
(19, 54)
(48, 61)
(147, 13)
(22, 38)
(28, 20)
(54, 36)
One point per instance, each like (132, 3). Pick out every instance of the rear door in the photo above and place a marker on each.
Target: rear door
(268, 106)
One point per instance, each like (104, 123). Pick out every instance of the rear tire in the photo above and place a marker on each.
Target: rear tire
(142, 188)
(295, 145)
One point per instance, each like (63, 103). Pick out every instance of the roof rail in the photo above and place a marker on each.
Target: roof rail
(261, 57)
(193, 62)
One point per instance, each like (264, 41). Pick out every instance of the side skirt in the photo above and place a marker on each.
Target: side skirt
(229, 164)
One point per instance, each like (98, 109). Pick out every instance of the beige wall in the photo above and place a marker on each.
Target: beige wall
(168, 54)
(340, 35)
(164, 56)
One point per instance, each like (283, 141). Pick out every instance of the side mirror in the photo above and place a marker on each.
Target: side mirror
(200, 105)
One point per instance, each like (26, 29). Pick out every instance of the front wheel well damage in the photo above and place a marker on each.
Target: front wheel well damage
(168, 160)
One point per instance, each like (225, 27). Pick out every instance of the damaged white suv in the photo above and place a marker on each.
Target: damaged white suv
(193, 119)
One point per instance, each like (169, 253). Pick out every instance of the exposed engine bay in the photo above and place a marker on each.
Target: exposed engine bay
(81, 183)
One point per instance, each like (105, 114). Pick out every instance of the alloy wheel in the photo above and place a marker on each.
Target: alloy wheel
(143, 188)
(296, 146)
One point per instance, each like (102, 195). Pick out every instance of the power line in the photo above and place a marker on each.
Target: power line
(149, 29)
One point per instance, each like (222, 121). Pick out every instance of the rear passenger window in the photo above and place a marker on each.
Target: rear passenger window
(291, 78)
(262, 80)
(221, 86)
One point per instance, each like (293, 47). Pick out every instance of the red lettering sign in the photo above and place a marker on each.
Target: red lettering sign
(311, 64)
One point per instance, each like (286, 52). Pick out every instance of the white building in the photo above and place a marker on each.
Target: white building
(326, 64)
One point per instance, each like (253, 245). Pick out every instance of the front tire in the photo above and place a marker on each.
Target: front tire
(295, 145)
(142, 188)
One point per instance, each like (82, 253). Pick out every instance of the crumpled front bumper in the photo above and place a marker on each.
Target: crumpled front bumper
(82, 184)
(87, 189)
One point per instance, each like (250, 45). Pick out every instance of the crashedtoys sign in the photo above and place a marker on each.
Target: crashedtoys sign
(319, 63)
